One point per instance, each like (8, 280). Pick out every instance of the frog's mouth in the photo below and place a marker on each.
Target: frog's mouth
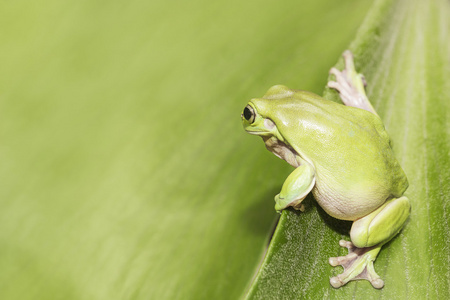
(282, 150)
(257, 132)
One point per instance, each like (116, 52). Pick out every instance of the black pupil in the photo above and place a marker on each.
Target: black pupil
(247, 113)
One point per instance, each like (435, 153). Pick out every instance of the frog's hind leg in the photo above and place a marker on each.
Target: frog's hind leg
(350, 85)
(368, 235)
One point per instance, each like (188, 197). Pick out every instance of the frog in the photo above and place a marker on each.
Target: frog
(342, 154)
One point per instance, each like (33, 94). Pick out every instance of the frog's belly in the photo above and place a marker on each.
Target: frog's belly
(346, 203)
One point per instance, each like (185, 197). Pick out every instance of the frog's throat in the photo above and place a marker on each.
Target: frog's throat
(282, 150)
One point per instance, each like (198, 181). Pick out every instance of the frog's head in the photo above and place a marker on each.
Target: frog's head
(270, 117)
(258, 116)
(257, 120)
(255, 123)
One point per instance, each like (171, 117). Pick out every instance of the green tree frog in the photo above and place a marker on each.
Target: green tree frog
(343, 155)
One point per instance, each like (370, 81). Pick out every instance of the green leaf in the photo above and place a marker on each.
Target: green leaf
(403, 50)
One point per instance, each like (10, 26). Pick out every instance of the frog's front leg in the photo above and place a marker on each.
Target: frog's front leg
(368, 235)
(350, 85)
(298, 184)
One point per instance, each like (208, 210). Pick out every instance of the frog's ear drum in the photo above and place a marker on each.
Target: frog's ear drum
(249, 114)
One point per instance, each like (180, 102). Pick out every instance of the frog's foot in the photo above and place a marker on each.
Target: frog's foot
(350, 85)
(358, 264)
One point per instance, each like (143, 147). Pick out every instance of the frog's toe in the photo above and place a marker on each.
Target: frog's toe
(335, 72)
(336, 261)
(336, 282)
(349, 245)
(377, 283)
(372, 276)
(333, 85)
(358, 264)
(348, 59)
(342, 83)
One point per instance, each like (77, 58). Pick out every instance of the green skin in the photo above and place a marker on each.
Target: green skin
(342, 155)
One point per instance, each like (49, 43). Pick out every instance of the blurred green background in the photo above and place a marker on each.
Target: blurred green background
(125, 171)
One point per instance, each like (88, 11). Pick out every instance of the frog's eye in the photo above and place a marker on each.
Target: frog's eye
(249, 114)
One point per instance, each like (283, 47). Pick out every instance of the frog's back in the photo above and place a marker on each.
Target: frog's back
(351, 152)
